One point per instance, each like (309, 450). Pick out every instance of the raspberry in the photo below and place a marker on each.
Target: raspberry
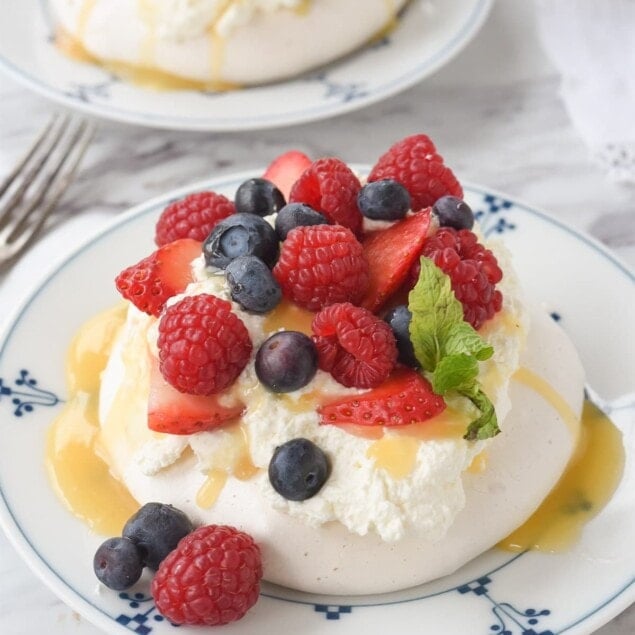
(330, 187)
(473, 270)
(211, 578)
(354, 345)
(320, 265)
(203, 346)
(192, 217)
(415, 164)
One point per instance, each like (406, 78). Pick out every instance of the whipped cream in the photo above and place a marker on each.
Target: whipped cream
(359, 495)
(188, 19)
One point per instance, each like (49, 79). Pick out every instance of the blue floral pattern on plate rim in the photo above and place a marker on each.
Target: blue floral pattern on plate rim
(499, 613)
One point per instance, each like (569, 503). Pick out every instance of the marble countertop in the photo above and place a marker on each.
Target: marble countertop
(494, 110)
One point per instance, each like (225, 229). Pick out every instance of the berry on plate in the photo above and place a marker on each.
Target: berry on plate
(192, 217)
(399, 318)
(320, 265)
(473, 270)
(241, 235)
(286, 361)
(174, 412)
(355, 346)
(203, 346)
(149, 283)
(406, 397)
(414, 162)
(258, 196)
(297, 215)
(156, 530)
(329, 186)
(211, 578)
(252, 284)
(118, 563)
(453, 212)
(390, 254)
(383, 200)
(298, 469)
(286, 169)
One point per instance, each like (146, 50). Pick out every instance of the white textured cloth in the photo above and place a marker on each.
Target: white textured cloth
(592, 44)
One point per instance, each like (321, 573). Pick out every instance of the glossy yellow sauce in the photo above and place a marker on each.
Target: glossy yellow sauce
(144, 74)
(308, 402)
(586, 486)
(555, 400)
(396, 455)
(147, 53)
(236, 463)
(83, 480)
(395, 449)
(84, 14)
(288, 313)
(78, 475)
(76, 452)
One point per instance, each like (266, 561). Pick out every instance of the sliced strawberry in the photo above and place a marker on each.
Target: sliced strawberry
(175, 412)
(286, 169)
(390, 253)
(405, 397)
(164, 273)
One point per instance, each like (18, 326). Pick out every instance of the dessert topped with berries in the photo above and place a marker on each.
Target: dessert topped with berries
(326, 362)
(216, 44)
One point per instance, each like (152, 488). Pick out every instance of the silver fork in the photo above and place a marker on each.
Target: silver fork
(32, 190)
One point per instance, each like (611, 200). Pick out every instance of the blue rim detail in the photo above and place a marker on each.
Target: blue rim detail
(159, 203)
(26, 394)
(471, 24)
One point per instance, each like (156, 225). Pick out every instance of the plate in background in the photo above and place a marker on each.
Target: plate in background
(430, 34)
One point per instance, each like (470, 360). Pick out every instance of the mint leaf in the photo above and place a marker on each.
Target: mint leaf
(464, 339)
(435, 311)
(486, 426)
(454, 372)
(448, 347)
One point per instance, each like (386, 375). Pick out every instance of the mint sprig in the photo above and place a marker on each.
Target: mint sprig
(448, 347)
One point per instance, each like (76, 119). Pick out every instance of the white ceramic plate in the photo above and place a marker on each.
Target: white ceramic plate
(431, 33)
(592, 294)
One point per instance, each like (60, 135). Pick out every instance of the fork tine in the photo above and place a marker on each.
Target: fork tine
(17, 237)
(65, 152)
(28, 154)
(49, 143)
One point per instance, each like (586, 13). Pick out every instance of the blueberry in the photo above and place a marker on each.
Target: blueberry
(296, 215)
(286, 361)
(258, 196)
(252, 284)
(298, 469)
(383, 200)
(453, 212)
(117, 563)
(398, 319)
(241, 235)
(156, 530)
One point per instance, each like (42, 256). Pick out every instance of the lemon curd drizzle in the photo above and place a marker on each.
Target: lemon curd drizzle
(236, 463)
(145, 74)
(586, 486)
(82, 479)
(588, 483)
(78, 474)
